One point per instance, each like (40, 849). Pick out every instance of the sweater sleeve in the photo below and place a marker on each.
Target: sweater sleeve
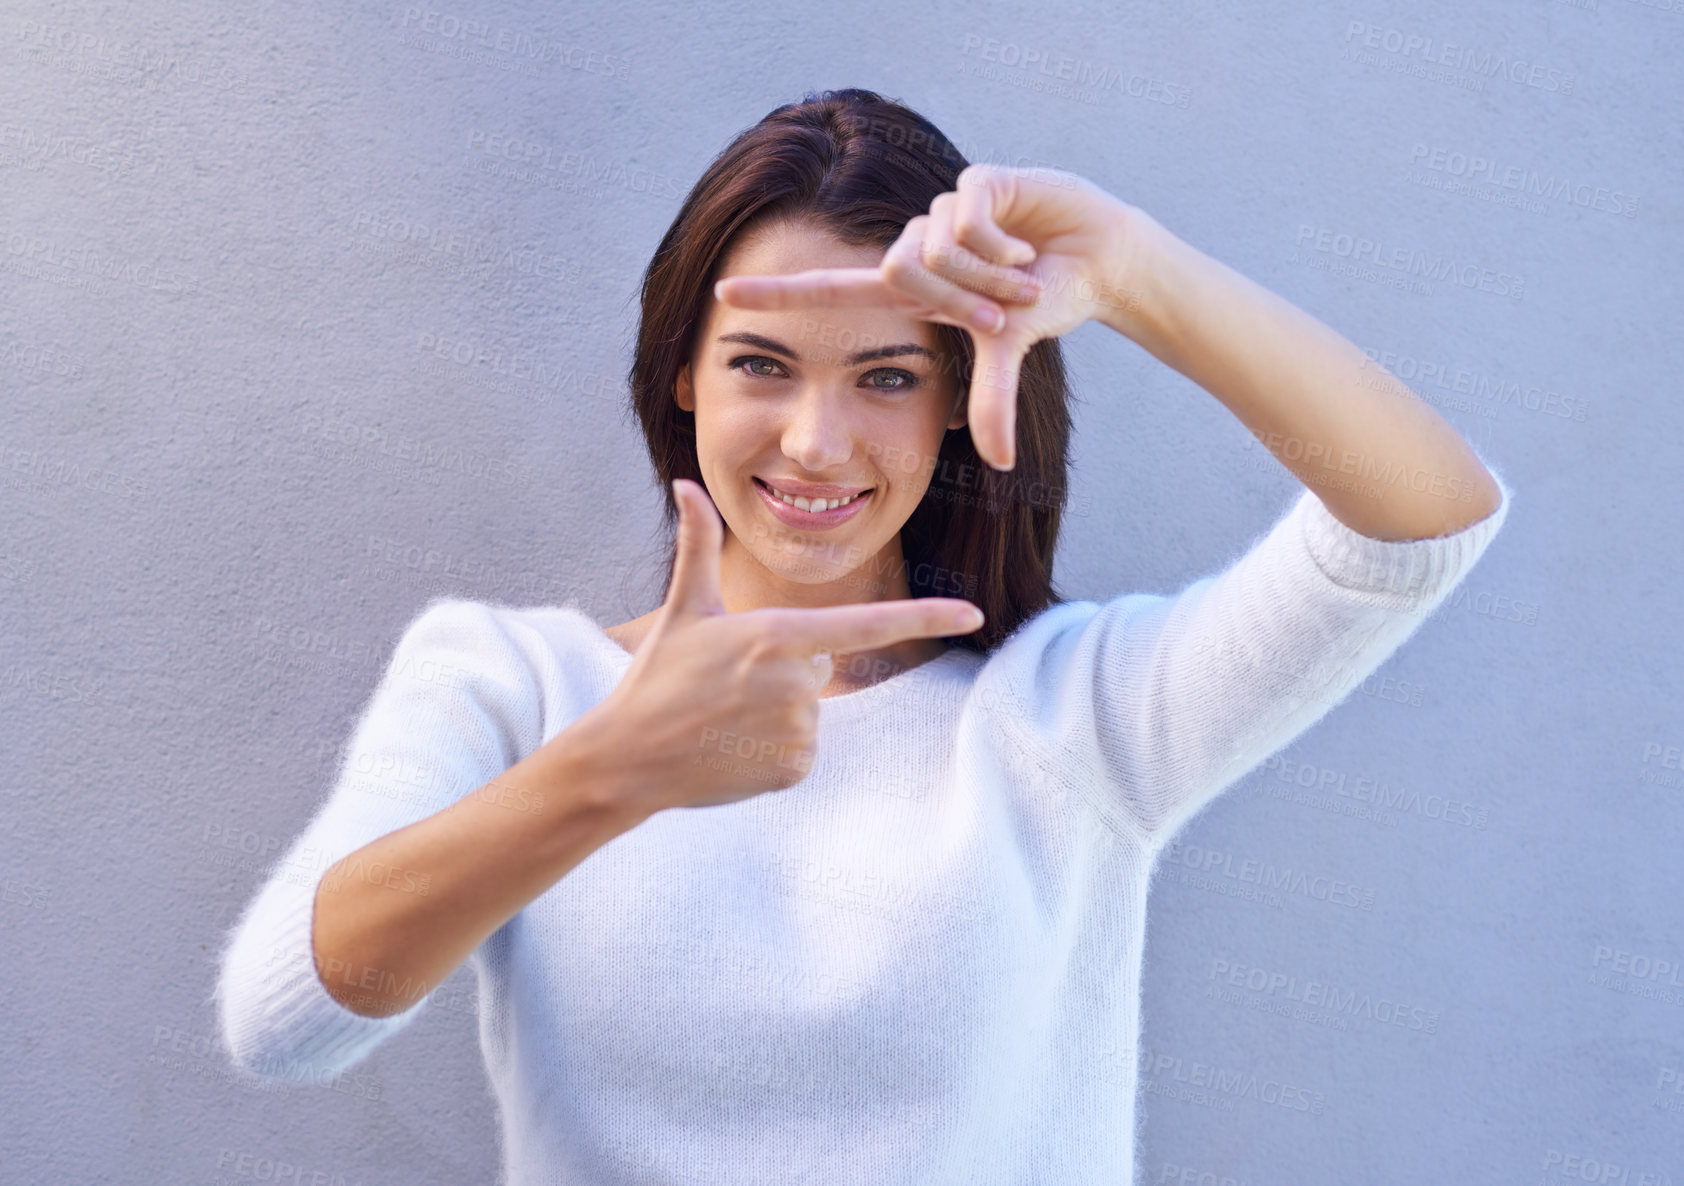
(457, 705)
(1168, 700)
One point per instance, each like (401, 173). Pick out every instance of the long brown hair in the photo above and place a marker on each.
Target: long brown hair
(861, 167)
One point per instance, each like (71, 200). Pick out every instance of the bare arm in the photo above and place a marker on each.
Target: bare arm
(1382, 460)
(399, 915)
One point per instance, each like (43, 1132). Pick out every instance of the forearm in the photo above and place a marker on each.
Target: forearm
(399, 915)
(1384, 462)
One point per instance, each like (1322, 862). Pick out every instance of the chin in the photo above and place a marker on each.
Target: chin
(811, 572)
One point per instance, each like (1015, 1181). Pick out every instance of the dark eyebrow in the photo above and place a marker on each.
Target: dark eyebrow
(768, 344)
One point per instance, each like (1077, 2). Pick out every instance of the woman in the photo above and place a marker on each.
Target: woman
(905, 943)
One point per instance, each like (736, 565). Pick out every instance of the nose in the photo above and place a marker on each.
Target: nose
(819, 436)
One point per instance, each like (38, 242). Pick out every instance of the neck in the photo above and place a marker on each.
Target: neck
(747, 584)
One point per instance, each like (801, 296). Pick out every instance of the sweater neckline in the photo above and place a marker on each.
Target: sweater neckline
(622, 659)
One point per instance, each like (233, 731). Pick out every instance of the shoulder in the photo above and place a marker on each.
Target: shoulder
(544, 639)
(629, 635)
(1044, 670)
(1044, 634)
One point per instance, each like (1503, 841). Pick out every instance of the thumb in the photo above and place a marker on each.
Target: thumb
(695, 573)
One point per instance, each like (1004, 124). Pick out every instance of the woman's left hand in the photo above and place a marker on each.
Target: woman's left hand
(1050, 248)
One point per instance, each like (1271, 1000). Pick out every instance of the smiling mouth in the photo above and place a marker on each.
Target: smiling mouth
(812, 506)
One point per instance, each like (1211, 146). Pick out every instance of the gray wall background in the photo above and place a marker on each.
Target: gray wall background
(257, 266)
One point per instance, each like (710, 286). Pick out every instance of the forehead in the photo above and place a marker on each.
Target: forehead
(785, 246)
(793, 245)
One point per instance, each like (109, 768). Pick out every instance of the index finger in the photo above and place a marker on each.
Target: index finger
(845, 629)
(845, 287)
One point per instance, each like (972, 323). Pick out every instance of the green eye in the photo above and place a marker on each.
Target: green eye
(746, 363)
(909, 380)
(751, 359)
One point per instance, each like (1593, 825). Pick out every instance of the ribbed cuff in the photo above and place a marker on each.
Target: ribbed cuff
(283, 1023)
(1417, 570)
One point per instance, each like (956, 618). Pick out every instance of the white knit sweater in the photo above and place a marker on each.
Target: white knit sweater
(920, 964)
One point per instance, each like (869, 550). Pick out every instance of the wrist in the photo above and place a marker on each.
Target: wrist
(1131, 269)
(593, 776)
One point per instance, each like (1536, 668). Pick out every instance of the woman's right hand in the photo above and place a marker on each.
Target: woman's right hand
(718, 707)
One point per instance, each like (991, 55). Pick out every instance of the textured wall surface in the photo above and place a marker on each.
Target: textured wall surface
(289, 344)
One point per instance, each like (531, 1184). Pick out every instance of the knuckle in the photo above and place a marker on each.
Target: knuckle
(794, 683)
(766, 640)
(934, 252)
(897, 267)
(760, 653)
(801, 729)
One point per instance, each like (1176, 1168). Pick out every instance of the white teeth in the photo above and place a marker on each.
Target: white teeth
(813, 504)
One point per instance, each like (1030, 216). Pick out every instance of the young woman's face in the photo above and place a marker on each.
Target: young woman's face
(855, 401)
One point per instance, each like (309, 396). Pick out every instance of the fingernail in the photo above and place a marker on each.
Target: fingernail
(989, 319)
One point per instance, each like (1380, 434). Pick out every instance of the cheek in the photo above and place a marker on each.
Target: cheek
(915, 429)
(726, 428)
(912, 449)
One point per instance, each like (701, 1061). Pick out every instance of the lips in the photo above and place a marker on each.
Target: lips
(819, 520)
(796, 488)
